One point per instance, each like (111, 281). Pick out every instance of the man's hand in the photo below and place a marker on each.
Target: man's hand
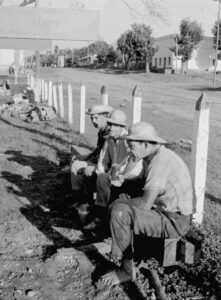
(121, 178)
(89, 170)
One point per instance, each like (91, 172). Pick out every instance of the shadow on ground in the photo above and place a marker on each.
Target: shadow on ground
(45, 190)
(206, 89)
(212, 198)
(52, 136)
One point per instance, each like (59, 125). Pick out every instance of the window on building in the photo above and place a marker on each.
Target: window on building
(164, 62)
(155, 62)
(160, 61)
(169, 60)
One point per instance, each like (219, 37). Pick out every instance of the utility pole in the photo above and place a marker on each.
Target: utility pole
(217, 46)
(176, 54)
(37, 52)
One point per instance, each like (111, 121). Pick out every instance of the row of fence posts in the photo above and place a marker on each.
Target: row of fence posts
(199, 139)
(48, 92)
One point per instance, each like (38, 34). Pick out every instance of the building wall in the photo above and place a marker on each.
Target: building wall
(6, 59)
(202, 58)
(60, 61)
(163, 57)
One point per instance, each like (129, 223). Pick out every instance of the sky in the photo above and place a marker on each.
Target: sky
(115, 17)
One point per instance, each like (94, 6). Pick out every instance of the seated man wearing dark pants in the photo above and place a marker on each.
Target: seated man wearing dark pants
(114, 159)
(161, 209)
(82, 167)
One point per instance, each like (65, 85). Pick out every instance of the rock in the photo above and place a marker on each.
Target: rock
(30, 293)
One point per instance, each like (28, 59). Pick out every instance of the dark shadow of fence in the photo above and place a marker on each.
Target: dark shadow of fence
(213, 198)
(47, 209)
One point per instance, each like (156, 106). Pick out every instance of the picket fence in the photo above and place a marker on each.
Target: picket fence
(48, 91)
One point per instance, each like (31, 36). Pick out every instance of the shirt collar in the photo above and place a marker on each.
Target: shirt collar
(154, 152)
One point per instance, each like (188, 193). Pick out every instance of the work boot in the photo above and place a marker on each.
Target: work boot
(84, 213)
(97, 222)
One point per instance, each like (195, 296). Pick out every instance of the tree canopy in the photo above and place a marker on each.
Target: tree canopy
(214, 32)
(191, 34)
(137, 44)
(100, 49)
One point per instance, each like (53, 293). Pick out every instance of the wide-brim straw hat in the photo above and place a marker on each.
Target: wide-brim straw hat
(117, 117)
(99, 109)
(142, 132)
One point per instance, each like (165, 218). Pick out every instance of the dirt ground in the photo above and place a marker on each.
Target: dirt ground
(39, 233)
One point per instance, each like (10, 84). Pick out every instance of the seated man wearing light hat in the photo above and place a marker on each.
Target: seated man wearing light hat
(162, 207)
(80, 165)
(114, 159)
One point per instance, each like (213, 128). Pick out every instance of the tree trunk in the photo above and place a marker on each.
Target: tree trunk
(184, 67)
(123, 58)
(127, 64)
(147, 68)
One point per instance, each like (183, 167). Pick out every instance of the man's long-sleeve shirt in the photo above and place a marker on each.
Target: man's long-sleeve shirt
(101, 137)
(114, 152)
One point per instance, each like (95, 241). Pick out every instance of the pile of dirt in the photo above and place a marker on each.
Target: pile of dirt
(28, 112)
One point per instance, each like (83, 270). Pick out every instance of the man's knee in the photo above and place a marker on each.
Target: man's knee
(77, 167)
(120, 211)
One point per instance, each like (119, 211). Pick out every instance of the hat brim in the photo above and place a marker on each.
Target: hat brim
(108, 110)
(96, 113)
(112, 121)
(135, 138)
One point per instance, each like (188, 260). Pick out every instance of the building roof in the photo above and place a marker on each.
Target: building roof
(169, 36)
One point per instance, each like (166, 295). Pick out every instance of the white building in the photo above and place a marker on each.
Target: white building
(6, 59)
(202, 58)
(10, 56)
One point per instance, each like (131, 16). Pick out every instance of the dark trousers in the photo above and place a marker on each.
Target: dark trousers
(127, 220)
(107, 193)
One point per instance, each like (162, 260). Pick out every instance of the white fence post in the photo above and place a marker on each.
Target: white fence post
(137, 102)
(32, 81)
(28, 78)
(61, 99)
(55, 100)
(82, 108)
(37, 89)
(104, 95)
(42, 89)
(199, 154)
(70, 104)
(46, 91)
(50, 93)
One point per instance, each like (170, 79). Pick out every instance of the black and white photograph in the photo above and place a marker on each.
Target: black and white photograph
(110, 142)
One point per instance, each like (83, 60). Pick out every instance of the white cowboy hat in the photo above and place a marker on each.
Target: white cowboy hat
(142, 131)
(117, 117)
(99, 109)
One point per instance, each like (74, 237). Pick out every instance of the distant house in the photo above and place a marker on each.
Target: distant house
(202, 59)
(7, 57)
(61, 61)
(87, 60)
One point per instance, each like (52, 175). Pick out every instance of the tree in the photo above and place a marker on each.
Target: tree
(137, 45)
(56, 50)
(80, 53)
(214, 32)
(112, 55)
(100, 49)
(191, 34)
